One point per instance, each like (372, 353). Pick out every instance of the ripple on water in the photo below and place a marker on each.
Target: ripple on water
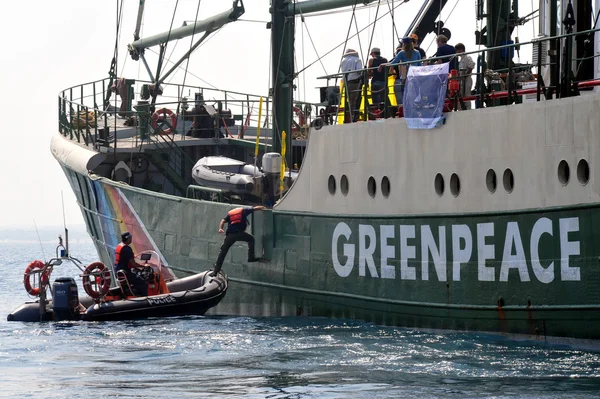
(214, 357)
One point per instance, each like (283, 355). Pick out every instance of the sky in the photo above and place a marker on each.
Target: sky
(49, 46)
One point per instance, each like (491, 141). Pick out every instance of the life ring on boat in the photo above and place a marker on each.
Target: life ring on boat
(161, 114)
(96, 270)
(30, 271)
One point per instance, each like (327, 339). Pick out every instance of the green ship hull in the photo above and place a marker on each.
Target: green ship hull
(529, 272)
(427, 214)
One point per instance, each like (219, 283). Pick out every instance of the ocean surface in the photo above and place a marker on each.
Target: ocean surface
(244, 357)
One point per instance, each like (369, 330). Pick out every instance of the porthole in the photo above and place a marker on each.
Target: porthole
(490, 180)
(454, 184)
(563, 172)
(344, 185)
(372, 186)
(583, 171)
(439, 184)
(508, 180)
(331, 185)
(385, 186)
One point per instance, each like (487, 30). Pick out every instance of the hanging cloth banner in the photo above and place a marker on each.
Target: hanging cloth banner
(424, 96)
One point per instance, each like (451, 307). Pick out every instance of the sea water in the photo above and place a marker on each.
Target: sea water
(247, 357)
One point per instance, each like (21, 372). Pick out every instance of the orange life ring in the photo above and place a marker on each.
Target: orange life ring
(161, 114)
(29, 271)
(103, 273)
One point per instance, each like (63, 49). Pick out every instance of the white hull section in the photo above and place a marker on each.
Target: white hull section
(529, 139)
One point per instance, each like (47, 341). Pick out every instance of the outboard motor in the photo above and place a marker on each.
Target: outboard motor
(65, 299)
(271, 165)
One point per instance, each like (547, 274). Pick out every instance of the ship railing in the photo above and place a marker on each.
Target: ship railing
(544, 77)
(204, 193)
(92, 113)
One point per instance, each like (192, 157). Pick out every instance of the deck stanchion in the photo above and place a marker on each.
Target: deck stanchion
(539, 70)
(282, 173)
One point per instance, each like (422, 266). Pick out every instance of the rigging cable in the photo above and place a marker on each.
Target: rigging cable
(449, 15)
(344, 42)
(331, 12)
(121, 31)
(187, 63)
(162, 53)
(394, 28)
(585, 49)
(312, 42)
(347, 36)
(114, 70)
(374, 24)
(359, 42)
(196, 76)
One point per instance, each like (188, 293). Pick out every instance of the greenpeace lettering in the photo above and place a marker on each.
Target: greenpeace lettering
(390, 251)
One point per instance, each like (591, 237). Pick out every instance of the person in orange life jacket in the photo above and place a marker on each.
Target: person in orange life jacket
(236, 231)
(124, 260)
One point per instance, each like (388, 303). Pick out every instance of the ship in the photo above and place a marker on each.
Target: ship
(485, 222)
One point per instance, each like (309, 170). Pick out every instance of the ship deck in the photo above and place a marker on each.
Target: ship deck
(128, 138)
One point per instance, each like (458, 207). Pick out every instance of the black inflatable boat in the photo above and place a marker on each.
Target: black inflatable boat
(192, 295)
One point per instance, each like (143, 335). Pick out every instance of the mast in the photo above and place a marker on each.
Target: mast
(283, 13)
(138, 22)
(501, 17)
(425, 23)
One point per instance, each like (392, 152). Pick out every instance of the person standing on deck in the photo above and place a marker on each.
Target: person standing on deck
(407, 54)
(236, 231)
(444, 49)
(351, 66)
(416, 45)
(377, 76)
(124, 260)
(465, 68)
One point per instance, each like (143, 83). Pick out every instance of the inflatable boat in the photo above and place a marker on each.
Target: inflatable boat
(192, 295)
(228, 175)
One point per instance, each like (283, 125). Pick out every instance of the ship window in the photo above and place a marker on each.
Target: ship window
(583, 172)
(563, 172)
(439, 184)
(385, 186)
(331, 185)
(372, 186)
(490, 180)
(344, 186)
(508, 180)
(454, 184)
